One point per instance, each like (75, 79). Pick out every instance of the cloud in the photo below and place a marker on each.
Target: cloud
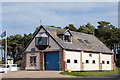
(20, 18)
(60, 0)
(0, 17)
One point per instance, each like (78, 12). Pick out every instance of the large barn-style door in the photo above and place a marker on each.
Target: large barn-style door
(52, 61)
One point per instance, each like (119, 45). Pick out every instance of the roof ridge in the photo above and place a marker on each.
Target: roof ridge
(63, 45)
(82, 33)
(64, 29)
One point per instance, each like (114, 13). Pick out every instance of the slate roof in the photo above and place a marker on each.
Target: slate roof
(95, 44)
(60, 31)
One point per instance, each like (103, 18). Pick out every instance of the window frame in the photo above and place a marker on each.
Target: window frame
(103, 62)
(108, 62)
(34, 60)
(93, 62)
(32, 49)
(69, 60)
(81, 41)
(88, 42)
(75, 60)
(37, 42)
(86, 61)
(69, 37)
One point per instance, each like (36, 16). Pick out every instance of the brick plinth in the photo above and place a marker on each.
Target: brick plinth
(81, 64)
(24, 61)
(113, 63)
(100, 64)
(42, 61)
(62, 62)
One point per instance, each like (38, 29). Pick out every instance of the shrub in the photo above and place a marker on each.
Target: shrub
(19, 62)
(118, 62)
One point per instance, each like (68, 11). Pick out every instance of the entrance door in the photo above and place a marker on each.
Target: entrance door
(52, 60)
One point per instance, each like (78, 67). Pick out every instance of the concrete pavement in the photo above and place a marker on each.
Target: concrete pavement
(35, 74)
(47, 74)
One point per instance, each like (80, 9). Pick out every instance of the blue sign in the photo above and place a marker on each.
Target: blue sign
(32, 54)
(90, 55)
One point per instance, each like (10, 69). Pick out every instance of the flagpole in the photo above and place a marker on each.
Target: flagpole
(6, 52)
(1, 49)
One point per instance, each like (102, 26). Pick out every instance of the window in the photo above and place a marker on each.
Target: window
(68, 60)
(67, 38)
(87, 61)
(107, 62)
(33, 60)
(81, 41)
(5, 66)
(87, 41)
(13, 65)
(103, 62)
(33, 49)
(60, 36)
(41, 41)
(93, 61)
(75, 61)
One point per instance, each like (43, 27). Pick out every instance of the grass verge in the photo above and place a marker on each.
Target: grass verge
(90, 73)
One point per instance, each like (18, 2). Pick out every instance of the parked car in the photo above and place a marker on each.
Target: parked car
(4, 68)
(8, 67)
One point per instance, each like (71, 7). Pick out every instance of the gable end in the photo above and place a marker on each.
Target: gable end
(37, 33)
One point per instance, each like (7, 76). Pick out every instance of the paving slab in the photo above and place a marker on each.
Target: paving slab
(48, 74)
(35, 74)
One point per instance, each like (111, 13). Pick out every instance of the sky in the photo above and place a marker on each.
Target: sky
(23, 17)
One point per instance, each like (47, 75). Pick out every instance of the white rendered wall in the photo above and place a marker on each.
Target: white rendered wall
(72, 55)
(10, 61)
(90, 65)
(37, 60)
(105, 58)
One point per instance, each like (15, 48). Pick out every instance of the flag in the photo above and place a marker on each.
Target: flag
(3, 34)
